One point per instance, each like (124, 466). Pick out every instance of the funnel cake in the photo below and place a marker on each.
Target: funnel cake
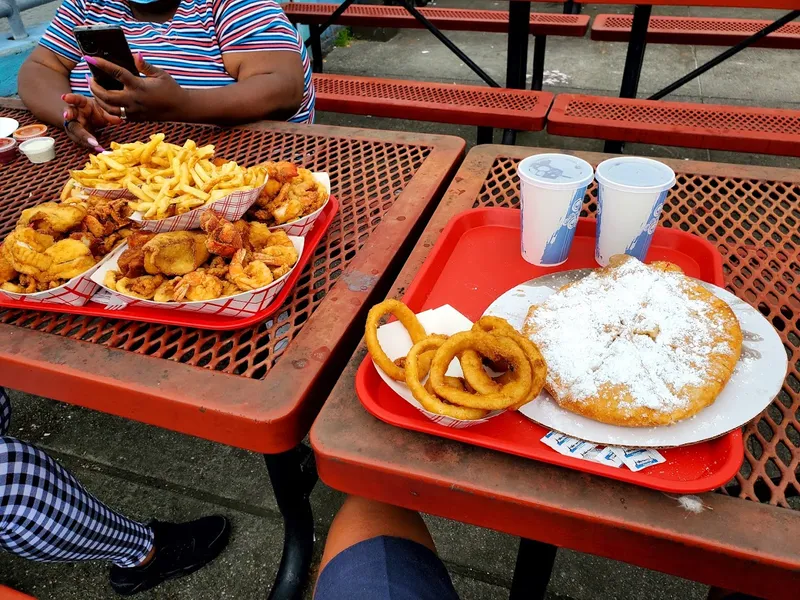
(635, 345)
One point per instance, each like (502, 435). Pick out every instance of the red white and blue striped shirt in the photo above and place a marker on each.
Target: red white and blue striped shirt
(190, 46)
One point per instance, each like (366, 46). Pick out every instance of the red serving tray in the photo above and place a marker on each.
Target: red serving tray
(192, 319)
(477, 259)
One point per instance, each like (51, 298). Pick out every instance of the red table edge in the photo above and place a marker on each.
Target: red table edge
(270, 415)
(736, 552)
(777, 4)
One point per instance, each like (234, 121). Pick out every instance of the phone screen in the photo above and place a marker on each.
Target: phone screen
(108, 42)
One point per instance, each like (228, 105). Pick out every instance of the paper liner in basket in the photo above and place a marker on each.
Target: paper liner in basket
(245, 304)
(304, 224)
(396, 342)
(75, 292)
(231, 207)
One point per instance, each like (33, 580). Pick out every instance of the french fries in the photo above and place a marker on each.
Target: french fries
(165, 178)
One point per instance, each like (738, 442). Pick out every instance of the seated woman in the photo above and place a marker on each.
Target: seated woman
(203, 61)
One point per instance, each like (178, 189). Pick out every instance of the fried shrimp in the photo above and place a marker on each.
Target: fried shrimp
(143, 287)
(251, 277)
(197, 286)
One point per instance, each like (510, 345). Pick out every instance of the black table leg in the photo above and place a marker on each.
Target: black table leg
(532, 572)
(633, 62)
(572, 8)
(539, 48)
(519, 16)
(485, 135)
(316, 48)
(293, 475)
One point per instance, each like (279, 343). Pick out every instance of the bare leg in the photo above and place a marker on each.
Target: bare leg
(360, 519)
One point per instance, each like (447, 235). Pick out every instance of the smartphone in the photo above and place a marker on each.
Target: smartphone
(108, 42)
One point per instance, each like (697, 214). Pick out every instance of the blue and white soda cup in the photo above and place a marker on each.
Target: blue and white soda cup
(552, 187)
(630, 195)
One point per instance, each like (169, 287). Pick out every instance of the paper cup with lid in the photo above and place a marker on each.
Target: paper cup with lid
(630, 195)
(552, 187)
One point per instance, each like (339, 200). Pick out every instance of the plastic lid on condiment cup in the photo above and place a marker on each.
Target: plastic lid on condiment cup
(555, 171)
(635, 174)
(30, 131)
(7, 143)
(36, 145)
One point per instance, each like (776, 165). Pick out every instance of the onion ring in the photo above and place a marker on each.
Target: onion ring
(499, 326)
(493, 347)
(425, 360)
(409, 321)
(430, 402)
(456, 382)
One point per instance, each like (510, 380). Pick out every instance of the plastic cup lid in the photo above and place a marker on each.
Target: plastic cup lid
(555, 171)
(635, 174)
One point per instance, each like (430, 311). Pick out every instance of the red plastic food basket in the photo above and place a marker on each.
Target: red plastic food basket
(463, 272)
(192, 319)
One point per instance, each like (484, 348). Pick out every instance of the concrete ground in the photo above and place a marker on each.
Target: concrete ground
(146, 472)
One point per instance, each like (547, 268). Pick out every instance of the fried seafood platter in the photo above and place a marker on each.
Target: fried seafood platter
(222, 260)
(290, 194)
(54, 243)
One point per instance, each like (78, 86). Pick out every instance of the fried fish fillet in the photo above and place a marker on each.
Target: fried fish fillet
(175, 253)
(52, 218)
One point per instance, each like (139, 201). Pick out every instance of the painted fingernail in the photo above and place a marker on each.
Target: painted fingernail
(64, 97)
(92, 141)
(91, 60)
(99, 149)
(66, 115)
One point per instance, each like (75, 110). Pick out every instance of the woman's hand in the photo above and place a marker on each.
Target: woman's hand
(154, 97)
(82, 117)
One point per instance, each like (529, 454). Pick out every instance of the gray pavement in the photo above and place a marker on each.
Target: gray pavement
(146, 472)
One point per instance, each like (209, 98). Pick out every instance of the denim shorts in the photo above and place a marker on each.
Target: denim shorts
(385, 568)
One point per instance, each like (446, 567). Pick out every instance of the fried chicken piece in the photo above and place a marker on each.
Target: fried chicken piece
(175, 253)
(279, 272)
(280, 173)
(290, 193)
(217, 267)
(224, 238)
(131, 262)
(69, 259)
(52, 218)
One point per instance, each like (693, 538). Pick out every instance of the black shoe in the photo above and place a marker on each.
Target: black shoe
(181, 548)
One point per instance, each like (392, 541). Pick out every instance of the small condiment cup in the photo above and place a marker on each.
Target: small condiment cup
(30, 132)
(630, 195)
(552, 187)
(8, 150)
(39, 150)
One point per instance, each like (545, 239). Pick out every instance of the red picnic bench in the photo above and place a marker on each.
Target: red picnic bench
(707, 126)
(484, 107)
(452, 19)
(698, 31)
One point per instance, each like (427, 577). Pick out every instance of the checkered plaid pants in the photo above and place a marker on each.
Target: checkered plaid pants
(47, 515)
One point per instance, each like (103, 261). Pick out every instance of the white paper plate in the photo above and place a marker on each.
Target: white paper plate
(8, 126)
(756, 380)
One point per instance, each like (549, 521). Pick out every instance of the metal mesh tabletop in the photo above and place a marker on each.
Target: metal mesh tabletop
(369, 173)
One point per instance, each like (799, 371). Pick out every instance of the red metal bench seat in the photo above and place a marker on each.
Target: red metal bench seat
(698, 31)
(523, 110)
(707, 126)
(453, 19)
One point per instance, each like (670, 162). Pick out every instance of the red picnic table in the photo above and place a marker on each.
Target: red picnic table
(747, 540)
(257, 388)
(638, 41)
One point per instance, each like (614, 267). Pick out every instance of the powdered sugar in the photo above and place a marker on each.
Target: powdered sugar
(643, 330)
